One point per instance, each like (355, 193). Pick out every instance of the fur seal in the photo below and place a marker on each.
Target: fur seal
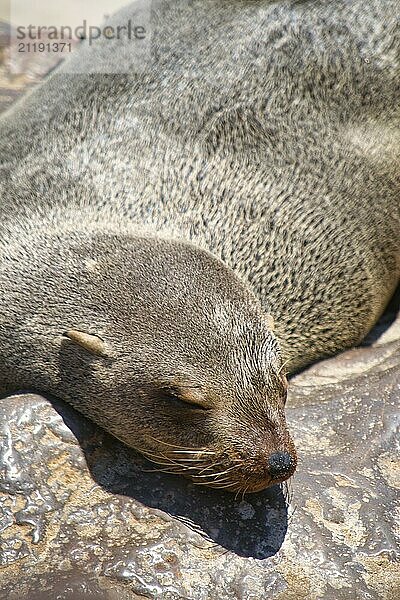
(171, 239)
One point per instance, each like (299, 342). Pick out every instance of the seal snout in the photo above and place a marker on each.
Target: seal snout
(281, 465)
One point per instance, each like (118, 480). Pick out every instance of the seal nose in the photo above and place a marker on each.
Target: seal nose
(281, 465)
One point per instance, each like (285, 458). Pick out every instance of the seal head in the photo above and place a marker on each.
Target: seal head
(164, 346)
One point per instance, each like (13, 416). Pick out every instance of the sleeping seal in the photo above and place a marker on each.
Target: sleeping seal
(172, 241)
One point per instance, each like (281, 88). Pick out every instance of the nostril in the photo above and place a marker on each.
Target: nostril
(280, 464)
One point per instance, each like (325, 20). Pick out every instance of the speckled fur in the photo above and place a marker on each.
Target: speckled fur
(264, 133)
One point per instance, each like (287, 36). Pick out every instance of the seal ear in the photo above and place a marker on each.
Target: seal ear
(90, 342)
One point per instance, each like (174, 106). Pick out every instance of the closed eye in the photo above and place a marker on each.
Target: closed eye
(182, 400)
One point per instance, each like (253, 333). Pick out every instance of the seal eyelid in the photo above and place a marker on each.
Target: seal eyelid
(186, 400)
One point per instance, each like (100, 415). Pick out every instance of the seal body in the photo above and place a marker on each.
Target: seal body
(249, 174)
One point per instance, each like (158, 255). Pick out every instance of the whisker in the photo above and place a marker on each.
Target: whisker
(205, 452)
(159, 457)
(190, 460)
(218, 474)
(212, 482)
(226, 487)
(210, 466)
(283, 365)
(196, 463)
(177, 445)
(216, 485)
(179, 467)
(168, 458)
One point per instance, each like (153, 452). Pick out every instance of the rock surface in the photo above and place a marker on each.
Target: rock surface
(82, 516)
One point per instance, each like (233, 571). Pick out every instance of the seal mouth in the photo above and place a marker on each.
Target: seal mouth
(218, 470)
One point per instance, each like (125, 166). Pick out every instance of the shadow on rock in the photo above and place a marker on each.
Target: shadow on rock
(253, 526)
(392, 312)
